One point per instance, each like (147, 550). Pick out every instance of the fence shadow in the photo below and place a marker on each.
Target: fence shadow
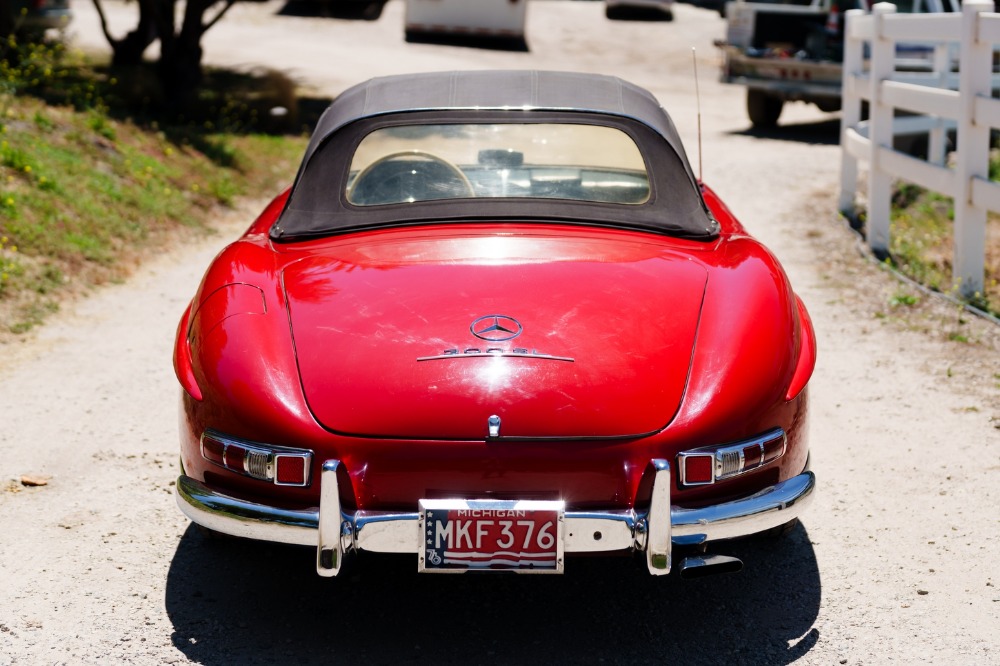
(234, 601)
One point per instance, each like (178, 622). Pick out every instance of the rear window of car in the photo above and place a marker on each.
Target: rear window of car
(446, 166)
(432, 162)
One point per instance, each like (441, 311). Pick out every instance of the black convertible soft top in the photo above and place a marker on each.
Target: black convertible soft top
(317, 206)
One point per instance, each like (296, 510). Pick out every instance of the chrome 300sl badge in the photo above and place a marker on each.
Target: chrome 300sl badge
(477, 352)
(494, 328)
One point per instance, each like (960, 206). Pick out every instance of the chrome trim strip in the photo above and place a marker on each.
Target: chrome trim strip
(584, 531)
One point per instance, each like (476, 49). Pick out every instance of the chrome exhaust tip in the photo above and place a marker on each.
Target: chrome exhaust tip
(708, 565)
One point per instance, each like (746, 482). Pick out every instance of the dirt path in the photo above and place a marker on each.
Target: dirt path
(898, 560)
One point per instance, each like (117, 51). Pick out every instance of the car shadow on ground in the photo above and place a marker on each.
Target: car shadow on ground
(469, 41)
(351, 11)
(235, 601)
(822, 132)
(649, 14)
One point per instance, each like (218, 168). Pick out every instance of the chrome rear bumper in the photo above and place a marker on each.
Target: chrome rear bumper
(333, 531)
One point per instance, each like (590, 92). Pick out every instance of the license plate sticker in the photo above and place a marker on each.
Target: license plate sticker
(489, 535)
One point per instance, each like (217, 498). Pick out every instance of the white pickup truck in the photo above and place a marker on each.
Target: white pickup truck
(794, 51)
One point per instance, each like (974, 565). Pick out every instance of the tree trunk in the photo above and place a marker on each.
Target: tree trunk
(127, 52)
(6, 24)
(179, 70)
(180, 55)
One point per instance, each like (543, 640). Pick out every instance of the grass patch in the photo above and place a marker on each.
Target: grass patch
(903, 299)
(92, 180)
(922, 233)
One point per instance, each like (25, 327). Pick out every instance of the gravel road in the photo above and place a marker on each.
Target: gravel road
(897, 562)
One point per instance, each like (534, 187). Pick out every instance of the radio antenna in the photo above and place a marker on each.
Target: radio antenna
(697, 95)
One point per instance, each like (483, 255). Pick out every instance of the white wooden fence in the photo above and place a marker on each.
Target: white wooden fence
(943, 99)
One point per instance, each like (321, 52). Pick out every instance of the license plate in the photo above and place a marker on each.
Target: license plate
(490, 535)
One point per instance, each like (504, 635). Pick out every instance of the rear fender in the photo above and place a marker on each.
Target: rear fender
(806, 361)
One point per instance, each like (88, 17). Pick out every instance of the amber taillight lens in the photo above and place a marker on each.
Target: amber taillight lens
(280, 465)
(710, 464)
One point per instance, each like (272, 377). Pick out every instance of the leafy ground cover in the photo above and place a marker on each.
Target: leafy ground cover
(93, 178)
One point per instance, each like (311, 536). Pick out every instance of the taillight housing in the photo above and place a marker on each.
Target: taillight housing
(710, 464)
(280, 465)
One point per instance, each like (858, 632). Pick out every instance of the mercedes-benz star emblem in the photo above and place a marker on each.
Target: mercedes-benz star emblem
(496, 328)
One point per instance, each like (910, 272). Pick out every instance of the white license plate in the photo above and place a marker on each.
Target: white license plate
(491, 535)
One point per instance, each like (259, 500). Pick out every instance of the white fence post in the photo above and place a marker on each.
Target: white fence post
(937, 145)
(973, 146)
(883, 64)
(851, 113)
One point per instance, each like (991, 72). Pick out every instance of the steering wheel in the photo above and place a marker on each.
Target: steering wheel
(409, 175)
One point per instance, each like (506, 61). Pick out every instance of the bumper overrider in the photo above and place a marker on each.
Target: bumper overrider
(654, 531)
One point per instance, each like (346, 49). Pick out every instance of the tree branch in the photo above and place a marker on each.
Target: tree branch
(222, 12)
(104, 23)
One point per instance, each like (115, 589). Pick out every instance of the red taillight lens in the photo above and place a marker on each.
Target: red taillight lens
(751, 456)
(236, 458)
(213, 450)
(709, 464)
(280, 465)
(697, 469)
(773, 448)
(290, 470)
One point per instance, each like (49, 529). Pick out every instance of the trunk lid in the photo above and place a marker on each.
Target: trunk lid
(601, 329)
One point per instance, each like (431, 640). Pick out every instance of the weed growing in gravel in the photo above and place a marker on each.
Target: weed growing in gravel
(904, 299)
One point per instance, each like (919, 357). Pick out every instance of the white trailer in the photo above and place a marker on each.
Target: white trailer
(492, 18)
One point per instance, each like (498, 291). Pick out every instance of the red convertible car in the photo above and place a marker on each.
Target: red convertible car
(496, 321)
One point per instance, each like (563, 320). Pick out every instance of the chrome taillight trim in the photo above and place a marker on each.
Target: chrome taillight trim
(260, 461)
(682, 467)
(730, 461)
(306, 467)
